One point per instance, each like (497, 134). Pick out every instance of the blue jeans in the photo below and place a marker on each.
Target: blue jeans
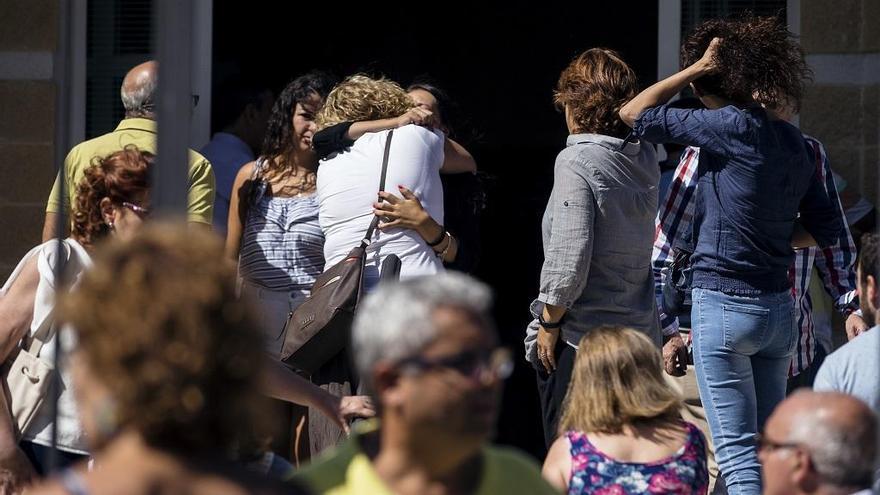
(742, 350)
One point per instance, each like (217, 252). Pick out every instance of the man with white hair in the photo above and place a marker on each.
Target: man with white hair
(819, 443)
(426, 350)
(138, 128)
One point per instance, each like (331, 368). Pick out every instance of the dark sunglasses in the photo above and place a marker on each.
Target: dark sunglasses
(472, 364)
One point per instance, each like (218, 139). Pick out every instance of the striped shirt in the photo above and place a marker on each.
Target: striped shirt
(834, 264)
(282, 243)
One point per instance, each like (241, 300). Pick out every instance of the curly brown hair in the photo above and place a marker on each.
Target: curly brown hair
(594, 86)
(120, 176)
(159, 323)
(360, 97)
(758, 59)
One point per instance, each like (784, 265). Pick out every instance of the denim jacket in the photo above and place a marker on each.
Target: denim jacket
(755, 179)
(598, 231)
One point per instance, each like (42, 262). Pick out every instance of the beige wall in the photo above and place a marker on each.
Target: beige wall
(27, 94)
(842, 107)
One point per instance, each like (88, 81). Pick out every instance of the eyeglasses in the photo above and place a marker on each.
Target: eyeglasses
(471, 364)
(140, 210)
(767, 445)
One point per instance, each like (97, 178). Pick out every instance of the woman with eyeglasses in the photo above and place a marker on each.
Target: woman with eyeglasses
(621, 431)
(111, 202)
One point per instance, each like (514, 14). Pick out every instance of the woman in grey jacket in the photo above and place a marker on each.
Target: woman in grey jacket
(597, 229)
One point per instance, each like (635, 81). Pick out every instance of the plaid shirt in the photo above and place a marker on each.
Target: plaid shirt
(835, 264)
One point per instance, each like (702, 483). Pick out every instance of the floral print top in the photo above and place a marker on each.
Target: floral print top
(592, 472)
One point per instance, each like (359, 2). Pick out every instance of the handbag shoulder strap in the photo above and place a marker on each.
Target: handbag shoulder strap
(42, 334)
(46, 329)
(375, 223)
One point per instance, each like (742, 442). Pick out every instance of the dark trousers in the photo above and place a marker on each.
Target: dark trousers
(39, 457)
(552, 388)
(805, 378)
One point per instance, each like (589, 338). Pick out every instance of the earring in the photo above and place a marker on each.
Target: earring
(109, 224)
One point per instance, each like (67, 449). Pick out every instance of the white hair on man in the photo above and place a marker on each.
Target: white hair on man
(397, 320)
(841, 437)
(138, 90)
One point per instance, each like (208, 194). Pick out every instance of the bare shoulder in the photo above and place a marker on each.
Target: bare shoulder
(557, 464)
(246, 170)
(244, 174)
(560, 450)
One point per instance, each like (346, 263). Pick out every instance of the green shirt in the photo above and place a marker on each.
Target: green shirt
(141, 133)
(348, 471)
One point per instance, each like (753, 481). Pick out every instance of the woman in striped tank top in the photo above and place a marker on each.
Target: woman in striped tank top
(273, 228)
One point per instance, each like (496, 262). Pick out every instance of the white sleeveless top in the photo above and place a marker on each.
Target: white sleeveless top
(71, 436)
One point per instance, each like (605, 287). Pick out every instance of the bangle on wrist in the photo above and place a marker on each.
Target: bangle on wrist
(549, 325)
(439, 239)
(442, 254)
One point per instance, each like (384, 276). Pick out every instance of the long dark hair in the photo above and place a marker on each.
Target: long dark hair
(457, 127)
(279, 130)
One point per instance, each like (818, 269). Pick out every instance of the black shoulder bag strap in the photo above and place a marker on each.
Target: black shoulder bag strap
(375, 223)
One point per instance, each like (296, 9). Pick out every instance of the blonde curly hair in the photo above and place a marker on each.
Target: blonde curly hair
(361, 97)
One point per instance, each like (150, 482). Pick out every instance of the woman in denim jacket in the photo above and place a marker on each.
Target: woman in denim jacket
(758, 196)
(597, 229)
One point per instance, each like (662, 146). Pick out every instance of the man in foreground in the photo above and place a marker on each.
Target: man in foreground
(426, 350)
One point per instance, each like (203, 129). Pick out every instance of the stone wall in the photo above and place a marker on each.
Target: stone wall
(842, 106)
(27, 127)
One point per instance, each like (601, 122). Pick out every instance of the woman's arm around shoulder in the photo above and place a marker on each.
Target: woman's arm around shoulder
(238, 206)
(457, 159)
(557, 465)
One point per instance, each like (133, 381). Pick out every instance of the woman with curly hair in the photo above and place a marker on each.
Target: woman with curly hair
(348, 187)
(273, 231)
(111, 201)
(273, 228)
(348, 182)
(758, 195)
(463, 196)
(621, 431)
(167, 369)
(597, 229)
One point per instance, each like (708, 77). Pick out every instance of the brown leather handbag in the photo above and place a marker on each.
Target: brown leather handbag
(320, 327)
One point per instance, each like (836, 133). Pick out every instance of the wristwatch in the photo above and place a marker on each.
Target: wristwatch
(549, 325)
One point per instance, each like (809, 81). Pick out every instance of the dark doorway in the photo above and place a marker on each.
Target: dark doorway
(500, 61)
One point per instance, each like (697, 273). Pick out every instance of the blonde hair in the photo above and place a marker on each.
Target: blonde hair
(361, 97)
(617, 380)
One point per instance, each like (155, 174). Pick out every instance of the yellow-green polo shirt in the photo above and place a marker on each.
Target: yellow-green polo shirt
(141, 133)
(348, 471)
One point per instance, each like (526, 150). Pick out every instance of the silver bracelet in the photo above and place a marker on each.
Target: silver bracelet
(442, 254)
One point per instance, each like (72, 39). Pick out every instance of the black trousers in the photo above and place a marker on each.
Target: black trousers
(39, 456)
(805, 378)
(552, 388)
